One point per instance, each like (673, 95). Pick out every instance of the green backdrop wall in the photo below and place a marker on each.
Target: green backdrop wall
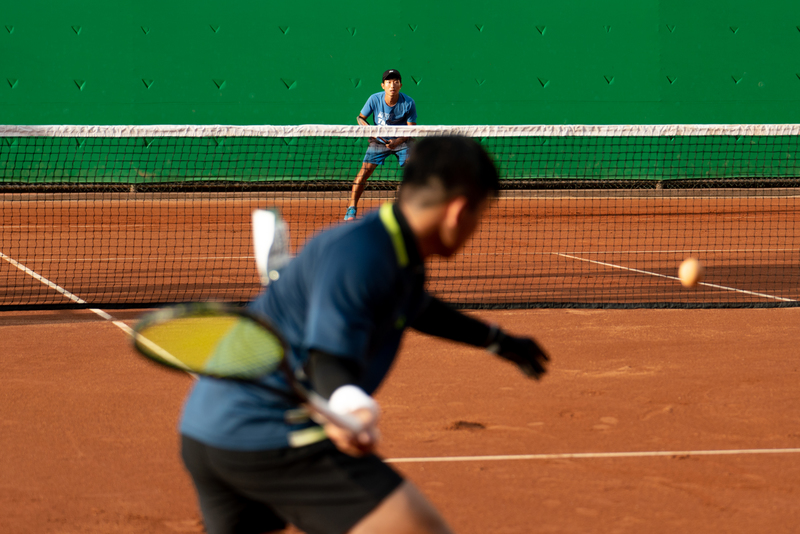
(465, 62)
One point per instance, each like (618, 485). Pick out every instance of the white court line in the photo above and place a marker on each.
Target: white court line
(153, 227)
(688, 251)
(631, 269)
(632, 252)
(42, 279)
(650, 198)
(557, 456)
(145, 258)
(57, 226)
(648, 195)
(102, 314)
(99, 226)
(487, 254)
(71, 296)
(590, 455)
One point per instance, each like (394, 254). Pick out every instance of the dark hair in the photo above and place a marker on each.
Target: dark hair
(449, 167)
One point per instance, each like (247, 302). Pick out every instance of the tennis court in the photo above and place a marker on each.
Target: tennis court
(535, 248)
(90, 444)
(650, 419)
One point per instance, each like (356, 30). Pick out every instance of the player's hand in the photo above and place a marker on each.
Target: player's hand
(394, 143)
(522, 351)
(356, 444)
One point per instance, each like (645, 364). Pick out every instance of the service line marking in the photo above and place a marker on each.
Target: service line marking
(97, 311)
(659, 275)
(36, 276)
(71, 296)
(56, 227)
(630, 252)
(590, 455)
(172, 259)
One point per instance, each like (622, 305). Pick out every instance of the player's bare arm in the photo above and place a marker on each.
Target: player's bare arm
(366, 168)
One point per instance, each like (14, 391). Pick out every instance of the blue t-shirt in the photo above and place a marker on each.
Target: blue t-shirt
(403, 112)
(349, 293)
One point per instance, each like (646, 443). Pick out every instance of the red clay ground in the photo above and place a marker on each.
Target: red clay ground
(127, 248)
(88, 441)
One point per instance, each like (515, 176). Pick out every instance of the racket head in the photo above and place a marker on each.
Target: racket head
(211, 339)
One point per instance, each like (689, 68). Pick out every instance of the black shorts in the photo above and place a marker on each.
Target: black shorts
(317, 488)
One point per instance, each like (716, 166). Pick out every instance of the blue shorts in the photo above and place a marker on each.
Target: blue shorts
(377, 153)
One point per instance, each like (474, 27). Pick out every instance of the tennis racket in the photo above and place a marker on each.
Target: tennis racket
(385, 141)
(224, 341)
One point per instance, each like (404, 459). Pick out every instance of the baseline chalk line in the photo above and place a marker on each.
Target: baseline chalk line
(591, 455)
(68, 294)
(659, 275)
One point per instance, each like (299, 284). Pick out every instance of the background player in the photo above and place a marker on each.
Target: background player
(390, 108)
(343, 303)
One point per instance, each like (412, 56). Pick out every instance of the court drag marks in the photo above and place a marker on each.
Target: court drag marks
(90, 444)
(89, 436)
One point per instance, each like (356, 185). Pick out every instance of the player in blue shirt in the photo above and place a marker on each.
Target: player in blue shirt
(257, 460)
(389, 108)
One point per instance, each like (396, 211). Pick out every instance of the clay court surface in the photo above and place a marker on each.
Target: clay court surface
(543, 246)
(89, 442)
(88, 429)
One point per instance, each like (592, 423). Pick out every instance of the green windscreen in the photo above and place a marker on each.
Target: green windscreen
(157, 160)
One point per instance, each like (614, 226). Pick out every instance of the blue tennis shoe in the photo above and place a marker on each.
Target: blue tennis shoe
(350, 214)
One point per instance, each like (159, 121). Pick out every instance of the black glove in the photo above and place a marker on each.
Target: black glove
(522, 351)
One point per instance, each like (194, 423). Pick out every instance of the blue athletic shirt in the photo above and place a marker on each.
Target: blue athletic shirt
(400, 114)
(349, 293)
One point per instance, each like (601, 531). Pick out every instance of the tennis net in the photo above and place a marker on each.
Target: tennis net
(594, 216)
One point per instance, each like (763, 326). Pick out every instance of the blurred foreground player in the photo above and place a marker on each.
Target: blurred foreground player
(258, 462)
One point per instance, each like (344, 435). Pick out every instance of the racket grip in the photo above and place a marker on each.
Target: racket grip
(346, 421)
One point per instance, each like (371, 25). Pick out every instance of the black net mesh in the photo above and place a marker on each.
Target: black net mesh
(588, 216)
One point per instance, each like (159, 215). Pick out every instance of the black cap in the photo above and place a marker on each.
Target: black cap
(392, 74)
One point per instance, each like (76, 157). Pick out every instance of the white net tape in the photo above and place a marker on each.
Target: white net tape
(324, 130)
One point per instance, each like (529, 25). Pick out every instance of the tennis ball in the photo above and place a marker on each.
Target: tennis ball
(690, 272)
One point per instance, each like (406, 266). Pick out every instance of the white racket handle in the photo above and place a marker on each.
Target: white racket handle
(346, 421)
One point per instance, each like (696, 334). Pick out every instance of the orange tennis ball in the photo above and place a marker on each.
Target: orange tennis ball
(690, 272)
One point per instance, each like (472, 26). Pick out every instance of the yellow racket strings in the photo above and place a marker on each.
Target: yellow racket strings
(219, 345)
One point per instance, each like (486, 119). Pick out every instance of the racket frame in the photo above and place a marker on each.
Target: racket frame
(314, 402)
